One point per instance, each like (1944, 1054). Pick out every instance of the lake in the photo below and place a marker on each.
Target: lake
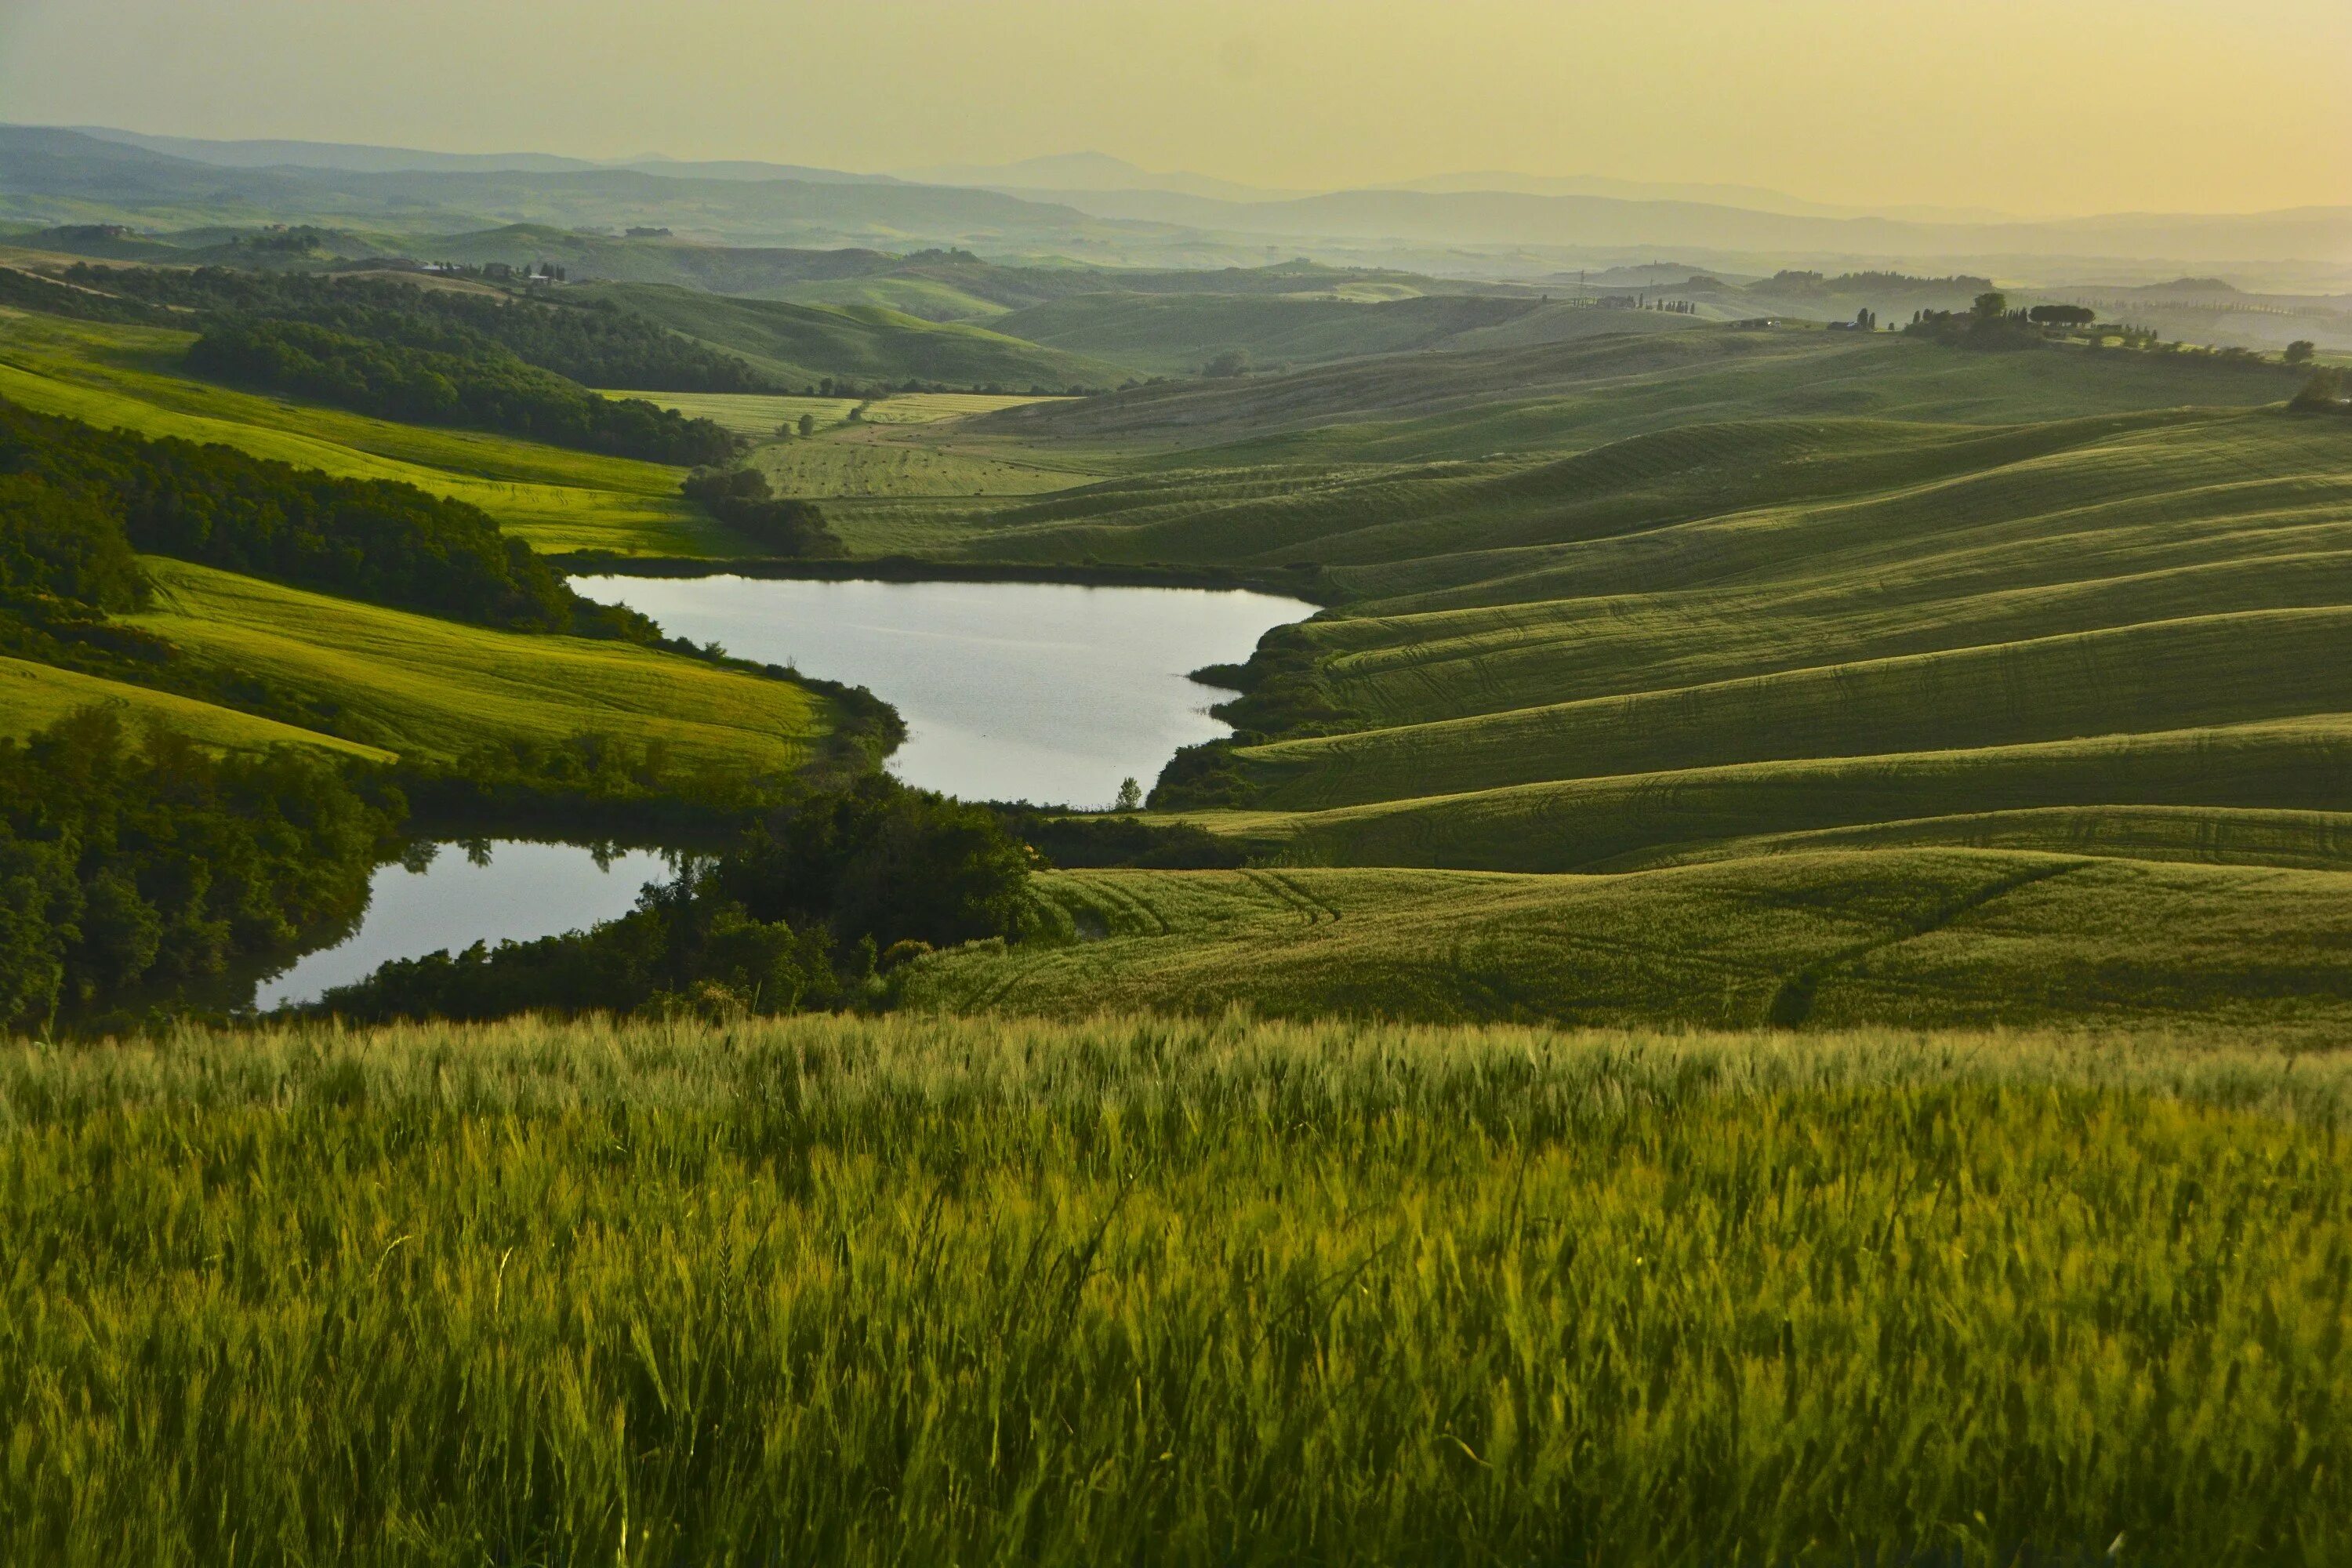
(508, 890)
(1039, 691)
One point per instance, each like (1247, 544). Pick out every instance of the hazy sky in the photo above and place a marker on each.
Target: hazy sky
(2042, 107)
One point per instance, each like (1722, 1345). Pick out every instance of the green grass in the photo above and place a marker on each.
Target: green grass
(1816, 934)
(1573, 395)
(36, 696)
(1732, 631)
(919, 1290)
(431, 689)
(872, 464)
(1175, 334)
(926, 297)
(802, 344)
(759, 415)
(1635, 819)
(127, 378)
(755, 414)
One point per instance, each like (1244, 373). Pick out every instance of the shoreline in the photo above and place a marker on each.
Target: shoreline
(1305, 584)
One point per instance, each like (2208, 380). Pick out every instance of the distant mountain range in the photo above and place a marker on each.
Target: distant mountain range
(1090, 208)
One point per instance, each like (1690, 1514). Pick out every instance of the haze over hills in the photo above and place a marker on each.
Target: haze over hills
(64, 175)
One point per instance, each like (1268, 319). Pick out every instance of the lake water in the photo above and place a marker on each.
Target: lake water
(1038, 691)
(520, 891)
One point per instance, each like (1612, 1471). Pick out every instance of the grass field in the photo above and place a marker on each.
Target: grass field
(36, 696)
(1172, 1293)
(1675, 633)
(127, 378)
(430, 689)
(1175, 334)
(801, 345)
(1820, 935)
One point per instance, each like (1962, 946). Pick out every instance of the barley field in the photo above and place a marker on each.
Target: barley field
(1127, 1289)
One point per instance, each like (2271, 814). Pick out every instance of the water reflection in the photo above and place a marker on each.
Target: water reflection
(1039, 691)
(449, 897)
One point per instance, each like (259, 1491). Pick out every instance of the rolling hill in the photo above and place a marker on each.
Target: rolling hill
(1589, 621)
(1176, 334)
(1829, 937)
(805, 344)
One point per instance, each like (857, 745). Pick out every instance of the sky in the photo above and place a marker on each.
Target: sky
(2039, 108)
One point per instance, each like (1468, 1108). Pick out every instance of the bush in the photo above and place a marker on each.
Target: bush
(91, 496)
(128, 865)
(791, 917)
(486, 388)
(739, 498)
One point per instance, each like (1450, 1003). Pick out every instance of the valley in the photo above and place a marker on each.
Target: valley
(717, 860)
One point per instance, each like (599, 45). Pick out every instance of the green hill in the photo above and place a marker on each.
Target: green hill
(131, 378)
(802, 344)
(1652, 599)
(1176, 333)
(1926, 937)
(429, 688)
(1569, 395)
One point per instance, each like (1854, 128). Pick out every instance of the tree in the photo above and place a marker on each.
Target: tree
(2061, 315)
(1991, 306)
(807, 425)
(2324, 391)
(2300, 351)
(1232, 363)
(1130, 796)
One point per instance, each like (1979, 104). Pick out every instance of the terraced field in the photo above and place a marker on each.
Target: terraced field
(431, 689)
(1818, 936)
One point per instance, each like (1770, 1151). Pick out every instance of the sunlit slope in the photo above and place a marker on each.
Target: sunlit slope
(36, 696)
(2162, 675)
(128, 378)
(1575, 394)
(802, 344)
(1889, 936)
(1176, 333)
(1586, 824)
(431, 689)
(1760, 628)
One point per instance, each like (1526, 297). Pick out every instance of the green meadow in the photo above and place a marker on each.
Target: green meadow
(33, 697)
(802, 345)
(1631, 631)
(431, 689)
(927, 1289)
(129, 378)
(2024, 929)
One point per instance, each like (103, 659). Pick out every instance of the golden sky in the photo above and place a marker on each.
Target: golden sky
(2057, 106)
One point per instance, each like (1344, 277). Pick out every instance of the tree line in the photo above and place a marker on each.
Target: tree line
(89, 498)
(807, 909)
(130, 865)
(598, 343)
(486, 390)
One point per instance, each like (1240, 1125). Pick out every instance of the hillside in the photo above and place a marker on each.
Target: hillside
(1643, 371)
(430, 689)
(805, 344)
(1175, 334)
(133, 378)
(1834, 937)
(1641, 600)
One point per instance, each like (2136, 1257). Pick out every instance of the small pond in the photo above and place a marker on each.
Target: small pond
(502, 890)
(1038, 691)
